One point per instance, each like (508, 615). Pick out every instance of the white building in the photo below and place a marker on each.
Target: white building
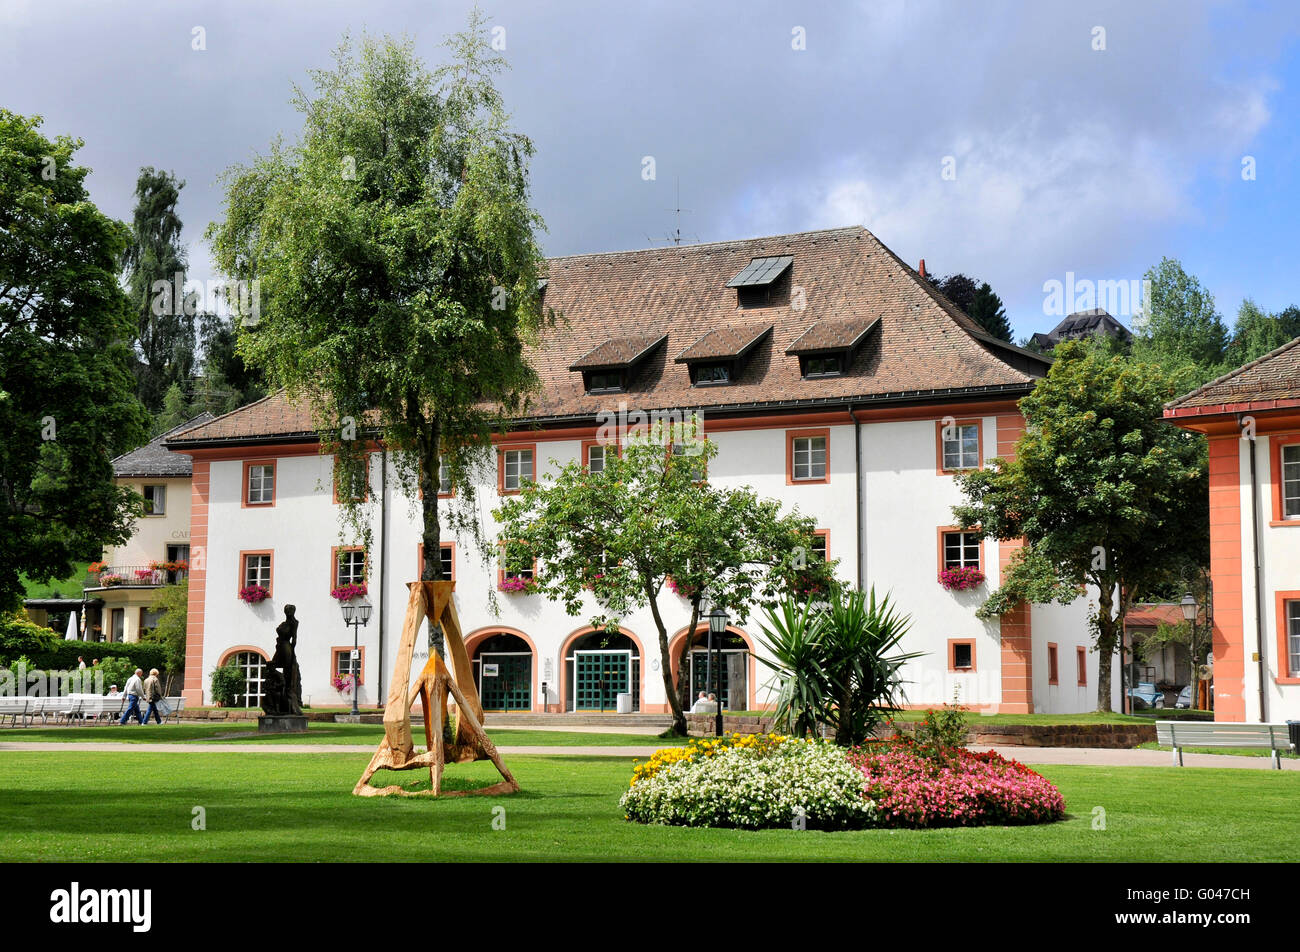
(829, 375)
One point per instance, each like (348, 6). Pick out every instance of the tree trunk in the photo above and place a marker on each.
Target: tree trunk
(683, 659)
(1106, 642)
(427, 440)
(679, 719)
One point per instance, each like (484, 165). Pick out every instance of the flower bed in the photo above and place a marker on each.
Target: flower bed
(757, 782)
(762, 781)
(916, 786)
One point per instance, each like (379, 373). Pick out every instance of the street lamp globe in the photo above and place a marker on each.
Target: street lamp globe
(1188, 605)
(349, 612)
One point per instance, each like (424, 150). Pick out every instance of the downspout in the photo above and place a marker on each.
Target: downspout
(857, 476)
(383, 566)
(1254, 545)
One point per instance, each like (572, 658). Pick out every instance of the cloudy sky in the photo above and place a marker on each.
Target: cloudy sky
(1060, 156)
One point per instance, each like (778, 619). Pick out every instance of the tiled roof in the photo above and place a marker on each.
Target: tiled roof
(1153, 614)
(725, 342)
(1275, 376)
(609, 303)
(154, 459)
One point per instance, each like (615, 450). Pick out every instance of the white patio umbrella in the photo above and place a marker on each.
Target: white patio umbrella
(73, 633)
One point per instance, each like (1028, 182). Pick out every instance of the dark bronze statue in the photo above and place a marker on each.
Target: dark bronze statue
(283, 690)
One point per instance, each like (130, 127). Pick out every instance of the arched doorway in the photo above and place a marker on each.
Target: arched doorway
(503, 671)
(736, 667)
(253, 665)
(599, 666)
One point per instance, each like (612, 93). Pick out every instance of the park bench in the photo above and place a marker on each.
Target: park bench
(1180, 734)
(174, 707)
(13, 708)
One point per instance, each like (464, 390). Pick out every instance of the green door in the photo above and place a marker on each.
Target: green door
(599, 676)
(505, 682)
(733, 670)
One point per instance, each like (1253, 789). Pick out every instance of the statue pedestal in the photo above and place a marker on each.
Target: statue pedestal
(282, 724)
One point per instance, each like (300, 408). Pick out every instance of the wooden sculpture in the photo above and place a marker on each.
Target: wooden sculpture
(397, 749)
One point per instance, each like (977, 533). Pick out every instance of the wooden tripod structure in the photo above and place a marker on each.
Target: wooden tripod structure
(397, 749)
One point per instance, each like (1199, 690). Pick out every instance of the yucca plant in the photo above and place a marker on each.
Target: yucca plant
(835, 663)
(792, 636)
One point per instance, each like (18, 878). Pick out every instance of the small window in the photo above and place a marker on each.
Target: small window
(809, 458)
(261, 484)
(706, 374)
(155, 500)
(516, 561)
(1293, 638)
(257, 570)
(444, 480)
(595, 459)
(1052, 677)
(1081, 658)
(963, 655)
(447, 553)
(345, 664)
(517, 469)
(961, 446)
(819, 546)
(829, 366)
(961, 550)
(604, 382)
(350, 568)
(1291, 481)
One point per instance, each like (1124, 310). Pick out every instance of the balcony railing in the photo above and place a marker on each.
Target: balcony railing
(133, 576)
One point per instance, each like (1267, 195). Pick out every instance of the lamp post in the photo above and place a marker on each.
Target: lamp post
(356, 616)
(717, 628)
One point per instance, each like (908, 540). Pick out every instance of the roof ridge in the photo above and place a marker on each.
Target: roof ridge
(1275, 352)
(845, 229)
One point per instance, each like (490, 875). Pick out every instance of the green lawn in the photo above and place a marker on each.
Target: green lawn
(69, 587)
(1234, 751)
(110, 806)
(318, 733)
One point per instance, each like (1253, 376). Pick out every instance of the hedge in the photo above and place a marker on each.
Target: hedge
(65, 653)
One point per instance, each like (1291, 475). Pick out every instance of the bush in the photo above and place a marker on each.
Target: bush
(20, 636)
(914, 789)
(227, 681)
(767, 783)
(64, 654)
(943, 729)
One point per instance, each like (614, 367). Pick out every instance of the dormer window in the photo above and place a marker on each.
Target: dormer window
(712, 373)
(718, 358)
(759, 282)
(604, 381)
(826, 349)
(831, 365)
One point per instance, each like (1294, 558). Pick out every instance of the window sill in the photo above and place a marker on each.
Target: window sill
(1286, 681)
(1281, 523)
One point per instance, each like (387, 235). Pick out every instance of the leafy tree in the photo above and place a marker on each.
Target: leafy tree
(1180, 329)
(67, 396)
(987, 310)
(836, 663)
(977, 300)
(1101, 489)
(173, 603)
(398, 265)
(620, 534)
(175, 410)
(154, 269)
(1256, 332)
(225, 381)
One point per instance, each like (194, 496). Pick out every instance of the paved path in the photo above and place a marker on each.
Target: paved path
(1084, 756)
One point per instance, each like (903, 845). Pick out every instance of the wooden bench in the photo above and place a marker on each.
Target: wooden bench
(1180, 734)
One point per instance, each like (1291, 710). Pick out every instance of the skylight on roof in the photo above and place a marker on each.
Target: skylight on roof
(761, 272)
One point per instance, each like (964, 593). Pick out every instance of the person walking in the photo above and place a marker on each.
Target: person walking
(153, 693)
(81, 663)
(134, 690)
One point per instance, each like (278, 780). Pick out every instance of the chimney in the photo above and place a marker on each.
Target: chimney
(921, 268)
